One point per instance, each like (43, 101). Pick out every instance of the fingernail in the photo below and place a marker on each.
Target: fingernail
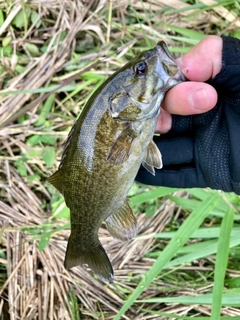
(199, 99)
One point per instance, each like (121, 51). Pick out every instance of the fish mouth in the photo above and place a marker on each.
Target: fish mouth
(168, 74)
(169, 64)
(180, 76)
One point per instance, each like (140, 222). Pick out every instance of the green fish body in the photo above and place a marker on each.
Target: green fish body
(104, 150)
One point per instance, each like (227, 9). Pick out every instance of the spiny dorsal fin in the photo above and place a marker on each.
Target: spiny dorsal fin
(95, 257)
(122, 224)
(67, 144)
(56, 180)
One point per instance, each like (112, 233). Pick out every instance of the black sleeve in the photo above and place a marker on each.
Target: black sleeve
(204, 150)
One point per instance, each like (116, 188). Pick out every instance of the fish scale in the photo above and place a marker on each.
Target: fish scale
(104, 150)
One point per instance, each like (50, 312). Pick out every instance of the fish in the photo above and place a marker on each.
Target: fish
(104, 150)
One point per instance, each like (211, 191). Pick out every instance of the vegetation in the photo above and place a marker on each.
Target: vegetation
(184, 263)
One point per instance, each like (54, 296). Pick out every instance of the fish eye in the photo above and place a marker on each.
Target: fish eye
(140, 68)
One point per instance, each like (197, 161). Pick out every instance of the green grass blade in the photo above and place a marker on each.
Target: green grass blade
(151, 195)
(50, 88)
(175, 316)
(189, 226)
(207, 249)
(192, 34)
(221, 263)
(229, 299)
(203, 233)
(47, 106)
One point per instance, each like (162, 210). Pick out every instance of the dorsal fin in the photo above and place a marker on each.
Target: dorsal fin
(56, 180)
(66, 144)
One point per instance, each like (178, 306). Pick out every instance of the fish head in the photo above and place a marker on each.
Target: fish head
(146, 79)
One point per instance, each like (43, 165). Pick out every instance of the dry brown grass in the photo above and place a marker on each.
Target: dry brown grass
(37, 285)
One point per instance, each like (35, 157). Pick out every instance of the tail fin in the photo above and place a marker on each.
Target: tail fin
(95, 257)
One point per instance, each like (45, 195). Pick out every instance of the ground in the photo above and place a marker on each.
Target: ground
(54, 54)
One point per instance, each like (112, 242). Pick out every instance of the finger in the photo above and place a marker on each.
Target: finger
(164, 123)
(189, 98)
(204, 61)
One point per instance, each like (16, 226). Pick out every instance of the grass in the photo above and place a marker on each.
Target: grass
(184, 263)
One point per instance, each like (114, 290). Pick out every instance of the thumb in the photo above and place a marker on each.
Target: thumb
(204, 61)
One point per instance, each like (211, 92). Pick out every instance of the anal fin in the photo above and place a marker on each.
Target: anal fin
(122, 224)
(95, 257)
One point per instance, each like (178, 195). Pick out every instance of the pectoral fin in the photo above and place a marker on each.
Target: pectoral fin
(152, 158)
(121, 149)
(148, 168)
(122, 224)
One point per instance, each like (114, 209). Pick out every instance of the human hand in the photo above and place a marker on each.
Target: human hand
(200, 64)
(200, 140)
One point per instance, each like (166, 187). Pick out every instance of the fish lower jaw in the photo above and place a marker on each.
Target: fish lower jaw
(172, 82)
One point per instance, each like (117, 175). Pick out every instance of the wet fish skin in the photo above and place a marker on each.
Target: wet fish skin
(103, 153)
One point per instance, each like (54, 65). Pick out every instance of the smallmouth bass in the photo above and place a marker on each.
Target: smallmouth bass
(104, 151)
